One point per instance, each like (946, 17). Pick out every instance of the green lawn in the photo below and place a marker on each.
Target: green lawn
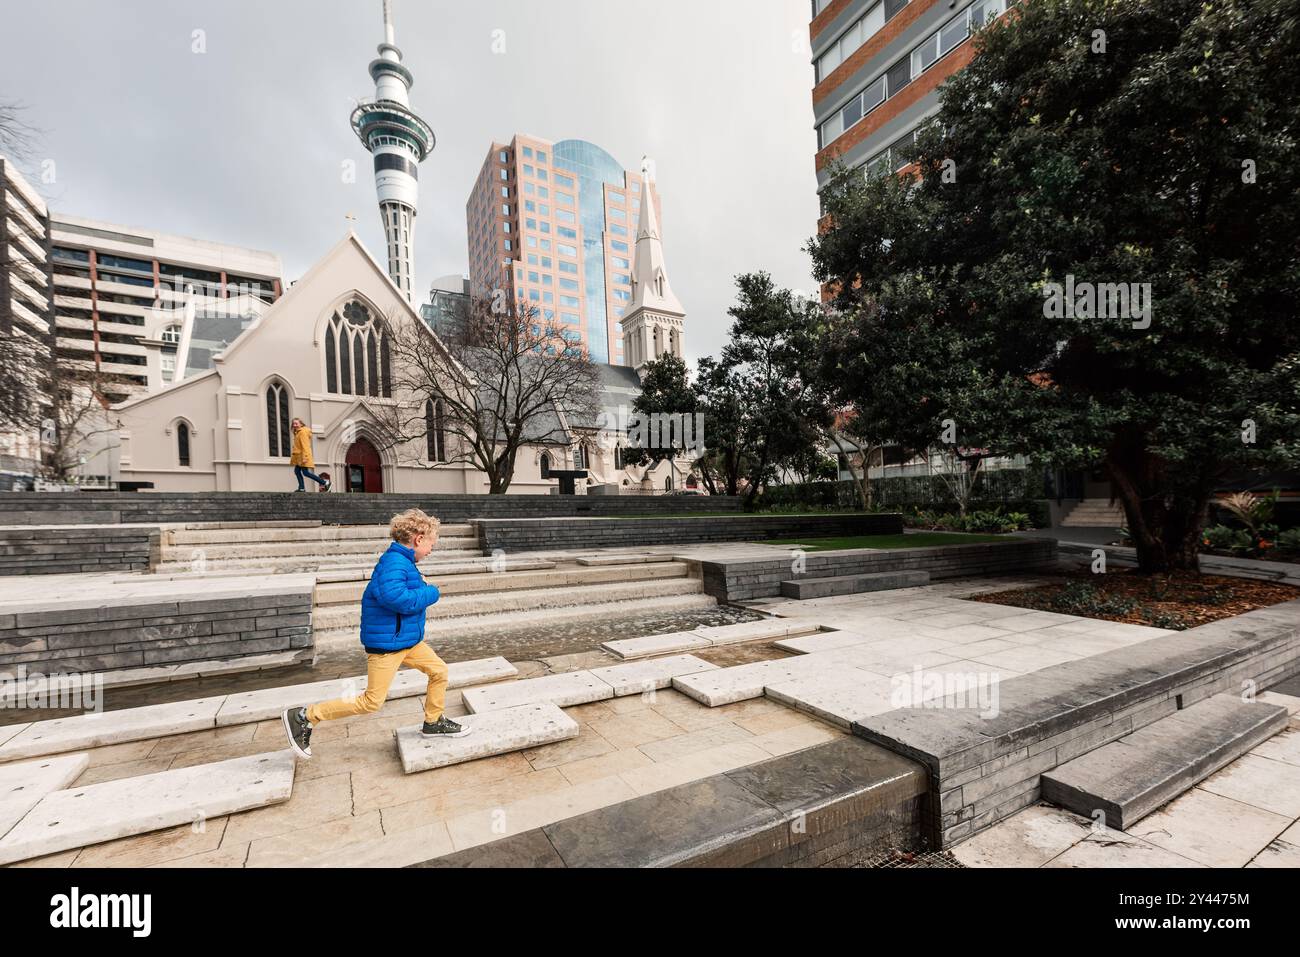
(918, 540)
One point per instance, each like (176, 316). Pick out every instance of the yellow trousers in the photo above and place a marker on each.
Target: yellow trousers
(380, 670)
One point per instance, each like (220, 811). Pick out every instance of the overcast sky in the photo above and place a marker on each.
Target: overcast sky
(245, 143)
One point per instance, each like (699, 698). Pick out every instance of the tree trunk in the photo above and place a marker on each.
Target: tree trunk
(1166, 529)
(755, 478)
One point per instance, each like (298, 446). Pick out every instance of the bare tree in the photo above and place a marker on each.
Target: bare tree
(488, 384)
(79, 420)
(960, 472)
(16, 136)
(26, 364)
(22, 378)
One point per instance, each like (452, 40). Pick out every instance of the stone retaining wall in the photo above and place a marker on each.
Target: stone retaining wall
(533, 534)
(744, 579)
(154, 632)
(45, 550)
(833, 804)
(984, 769)
(339, 508)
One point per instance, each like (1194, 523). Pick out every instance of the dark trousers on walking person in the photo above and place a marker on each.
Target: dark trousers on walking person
(301, 470)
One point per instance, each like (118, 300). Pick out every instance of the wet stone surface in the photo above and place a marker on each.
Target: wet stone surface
(554, 639)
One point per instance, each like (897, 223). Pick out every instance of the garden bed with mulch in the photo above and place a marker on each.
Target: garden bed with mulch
(1176, 602)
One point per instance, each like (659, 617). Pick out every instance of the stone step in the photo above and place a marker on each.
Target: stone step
(449, 631)
(1094, 513)
(494, 732)
(12, 730)
(334, 617)
(563, 690)
(580, 687)
(267, 703)
(837, 695)
(638, 677)
(826, 641)
(310, 531)
(672, 642)
(294, 565)
(346, 593)
(742, 682)
(632, 559)
(222, 526)
(679, 641)
(434, 569)
(77, 817)
(111, 727)
(1131, 777)
(80, 732)
(356, 548)
(23, 784)
(804, 588)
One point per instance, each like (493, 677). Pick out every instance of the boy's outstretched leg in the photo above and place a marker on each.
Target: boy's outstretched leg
(380, 669)
(436, 723)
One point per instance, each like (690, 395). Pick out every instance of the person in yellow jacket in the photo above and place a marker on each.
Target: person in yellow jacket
(301, 459)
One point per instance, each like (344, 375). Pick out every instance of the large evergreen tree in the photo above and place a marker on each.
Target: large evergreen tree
(1115, 142)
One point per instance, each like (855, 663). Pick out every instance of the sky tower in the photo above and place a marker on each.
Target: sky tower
(399, 141)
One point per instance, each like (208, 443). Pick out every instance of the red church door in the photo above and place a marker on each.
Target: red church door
(365, 473)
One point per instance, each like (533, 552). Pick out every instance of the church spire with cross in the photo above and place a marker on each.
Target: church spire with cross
(654, 322)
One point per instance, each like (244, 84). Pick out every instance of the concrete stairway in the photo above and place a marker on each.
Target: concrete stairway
(1131, 777)
(512, 578)
(291, 547)
(522, 598)
(1094, 513)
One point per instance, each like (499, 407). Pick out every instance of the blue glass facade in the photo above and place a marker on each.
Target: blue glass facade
(592, 167)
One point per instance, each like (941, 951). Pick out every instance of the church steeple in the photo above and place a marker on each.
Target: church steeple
(654, 321)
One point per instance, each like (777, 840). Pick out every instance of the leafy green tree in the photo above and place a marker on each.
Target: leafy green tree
(726, 438)
(1147, 145)
(665, 391)
(782, 413)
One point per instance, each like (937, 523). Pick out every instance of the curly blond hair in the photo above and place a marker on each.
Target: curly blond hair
(406, 525)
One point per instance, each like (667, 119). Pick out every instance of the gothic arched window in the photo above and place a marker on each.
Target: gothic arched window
(435, 434)
(356, 353)
(183, 444)
(546, 465)
(279, 441)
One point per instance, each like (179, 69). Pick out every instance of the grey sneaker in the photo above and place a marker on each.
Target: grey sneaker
(298, 728)
(444, 727)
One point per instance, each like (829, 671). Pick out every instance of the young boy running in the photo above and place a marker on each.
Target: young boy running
(392, 632)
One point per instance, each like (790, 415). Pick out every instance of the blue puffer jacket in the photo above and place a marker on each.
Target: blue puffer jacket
(393, 604)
